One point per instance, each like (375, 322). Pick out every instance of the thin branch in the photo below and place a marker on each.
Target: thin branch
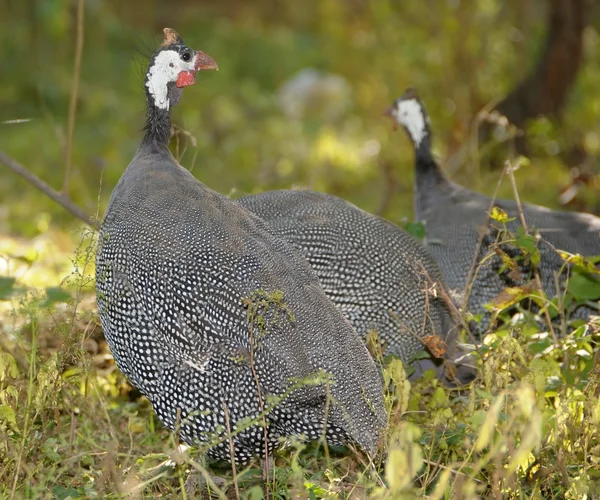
(59, 198)
(260, 398)
(391, 186)
(453, 471)
(74, 95)
(510, 169)
(471, 275)
(232, 453)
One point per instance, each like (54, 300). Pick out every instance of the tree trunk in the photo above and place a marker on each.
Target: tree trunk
(545, 91)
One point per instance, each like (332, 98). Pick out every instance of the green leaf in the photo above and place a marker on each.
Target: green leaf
(315, 489)
(439, 398)
(8, 366)
(539, 347)
(50, 446)
(523, 161)
(528, 244)
(422, 354)
(595, 414)
(415, 229)
(580, 263)
(584, 286)
(63, 493)
(477, 419)
(395, 374)
(488, 396)
(486, 431)
(256, 493)
(56, 294)
(402, 466)
(7, 287)
(510, 296)
(7, 415)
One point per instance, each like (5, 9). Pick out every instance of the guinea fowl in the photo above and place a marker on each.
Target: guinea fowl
(454, 217)
(212, 318)
(374, 272)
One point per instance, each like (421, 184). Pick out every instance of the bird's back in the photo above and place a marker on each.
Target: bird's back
(375, 272)
(453, 228)
(181, 270)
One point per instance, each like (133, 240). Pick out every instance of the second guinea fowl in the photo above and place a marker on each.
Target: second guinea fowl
(454, 216)
(374, 272)
(211, 317)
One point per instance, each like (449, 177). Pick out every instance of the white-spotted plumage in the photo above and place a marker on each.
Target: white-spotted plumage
(178, 268)
(372, 270)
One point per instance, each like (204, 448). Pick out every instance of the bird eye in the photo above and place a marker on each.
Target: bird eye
(186, 56)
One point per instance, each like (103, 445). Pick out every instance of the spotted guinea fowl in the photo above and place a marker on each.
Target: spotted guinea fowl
(454, 217)
(212, 318)
(374, 272)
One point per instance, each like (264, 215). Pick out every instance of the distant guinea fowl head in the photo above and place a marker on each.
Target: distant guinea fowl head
(410, 112)
(173, 66)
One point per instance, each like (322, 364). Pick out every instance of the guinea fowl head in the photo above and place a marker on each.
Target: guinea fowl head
(173, 66)
(409, 111)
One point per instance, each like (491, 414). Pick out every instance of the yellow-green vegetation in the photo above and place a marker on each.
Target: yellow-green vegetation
(231, 130)
(70, 424)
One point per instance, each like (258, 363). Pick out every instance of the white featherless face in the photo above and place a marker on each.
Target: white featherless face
(170, 66)
(409, 113)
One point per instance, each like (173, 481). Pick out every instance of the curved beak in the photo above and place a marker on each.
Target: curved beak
(390, 112)
(204, 61)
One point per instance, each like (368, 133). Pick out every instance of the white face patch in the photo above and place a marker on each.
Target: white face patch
(410, 114)
(166, 68)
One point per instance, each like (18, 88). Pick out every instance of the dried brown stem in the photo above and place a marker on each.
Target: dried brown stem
(59, 198)
(231, 453)
(74, 95)
(259, 393)
(471, 276)
(510, 170)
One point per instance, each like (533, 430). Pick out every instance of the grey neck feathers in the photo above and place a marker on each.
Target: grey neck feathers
(430, 181)
(158, 120)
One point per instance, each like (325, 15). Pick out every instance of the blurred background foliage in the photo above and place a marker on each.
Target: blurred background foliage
(250, 128)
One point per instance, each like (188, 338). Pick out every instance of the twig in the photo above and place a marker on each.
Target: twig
(208, 478)
(325, 418)
(74, 95)
(453, 471)
(59, 198)
(232, 453)
(510, 169)
(368, 465)
(482, 115)
(470, 277)
(390, 186)
(455, 315)
(471, 147)
(251, 317)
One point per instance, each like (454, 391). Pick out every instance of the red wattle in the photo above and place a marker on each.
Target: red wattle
(185, 79)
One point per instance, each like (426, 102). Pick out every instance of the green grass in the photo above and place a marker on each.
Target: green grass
(71, 426)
